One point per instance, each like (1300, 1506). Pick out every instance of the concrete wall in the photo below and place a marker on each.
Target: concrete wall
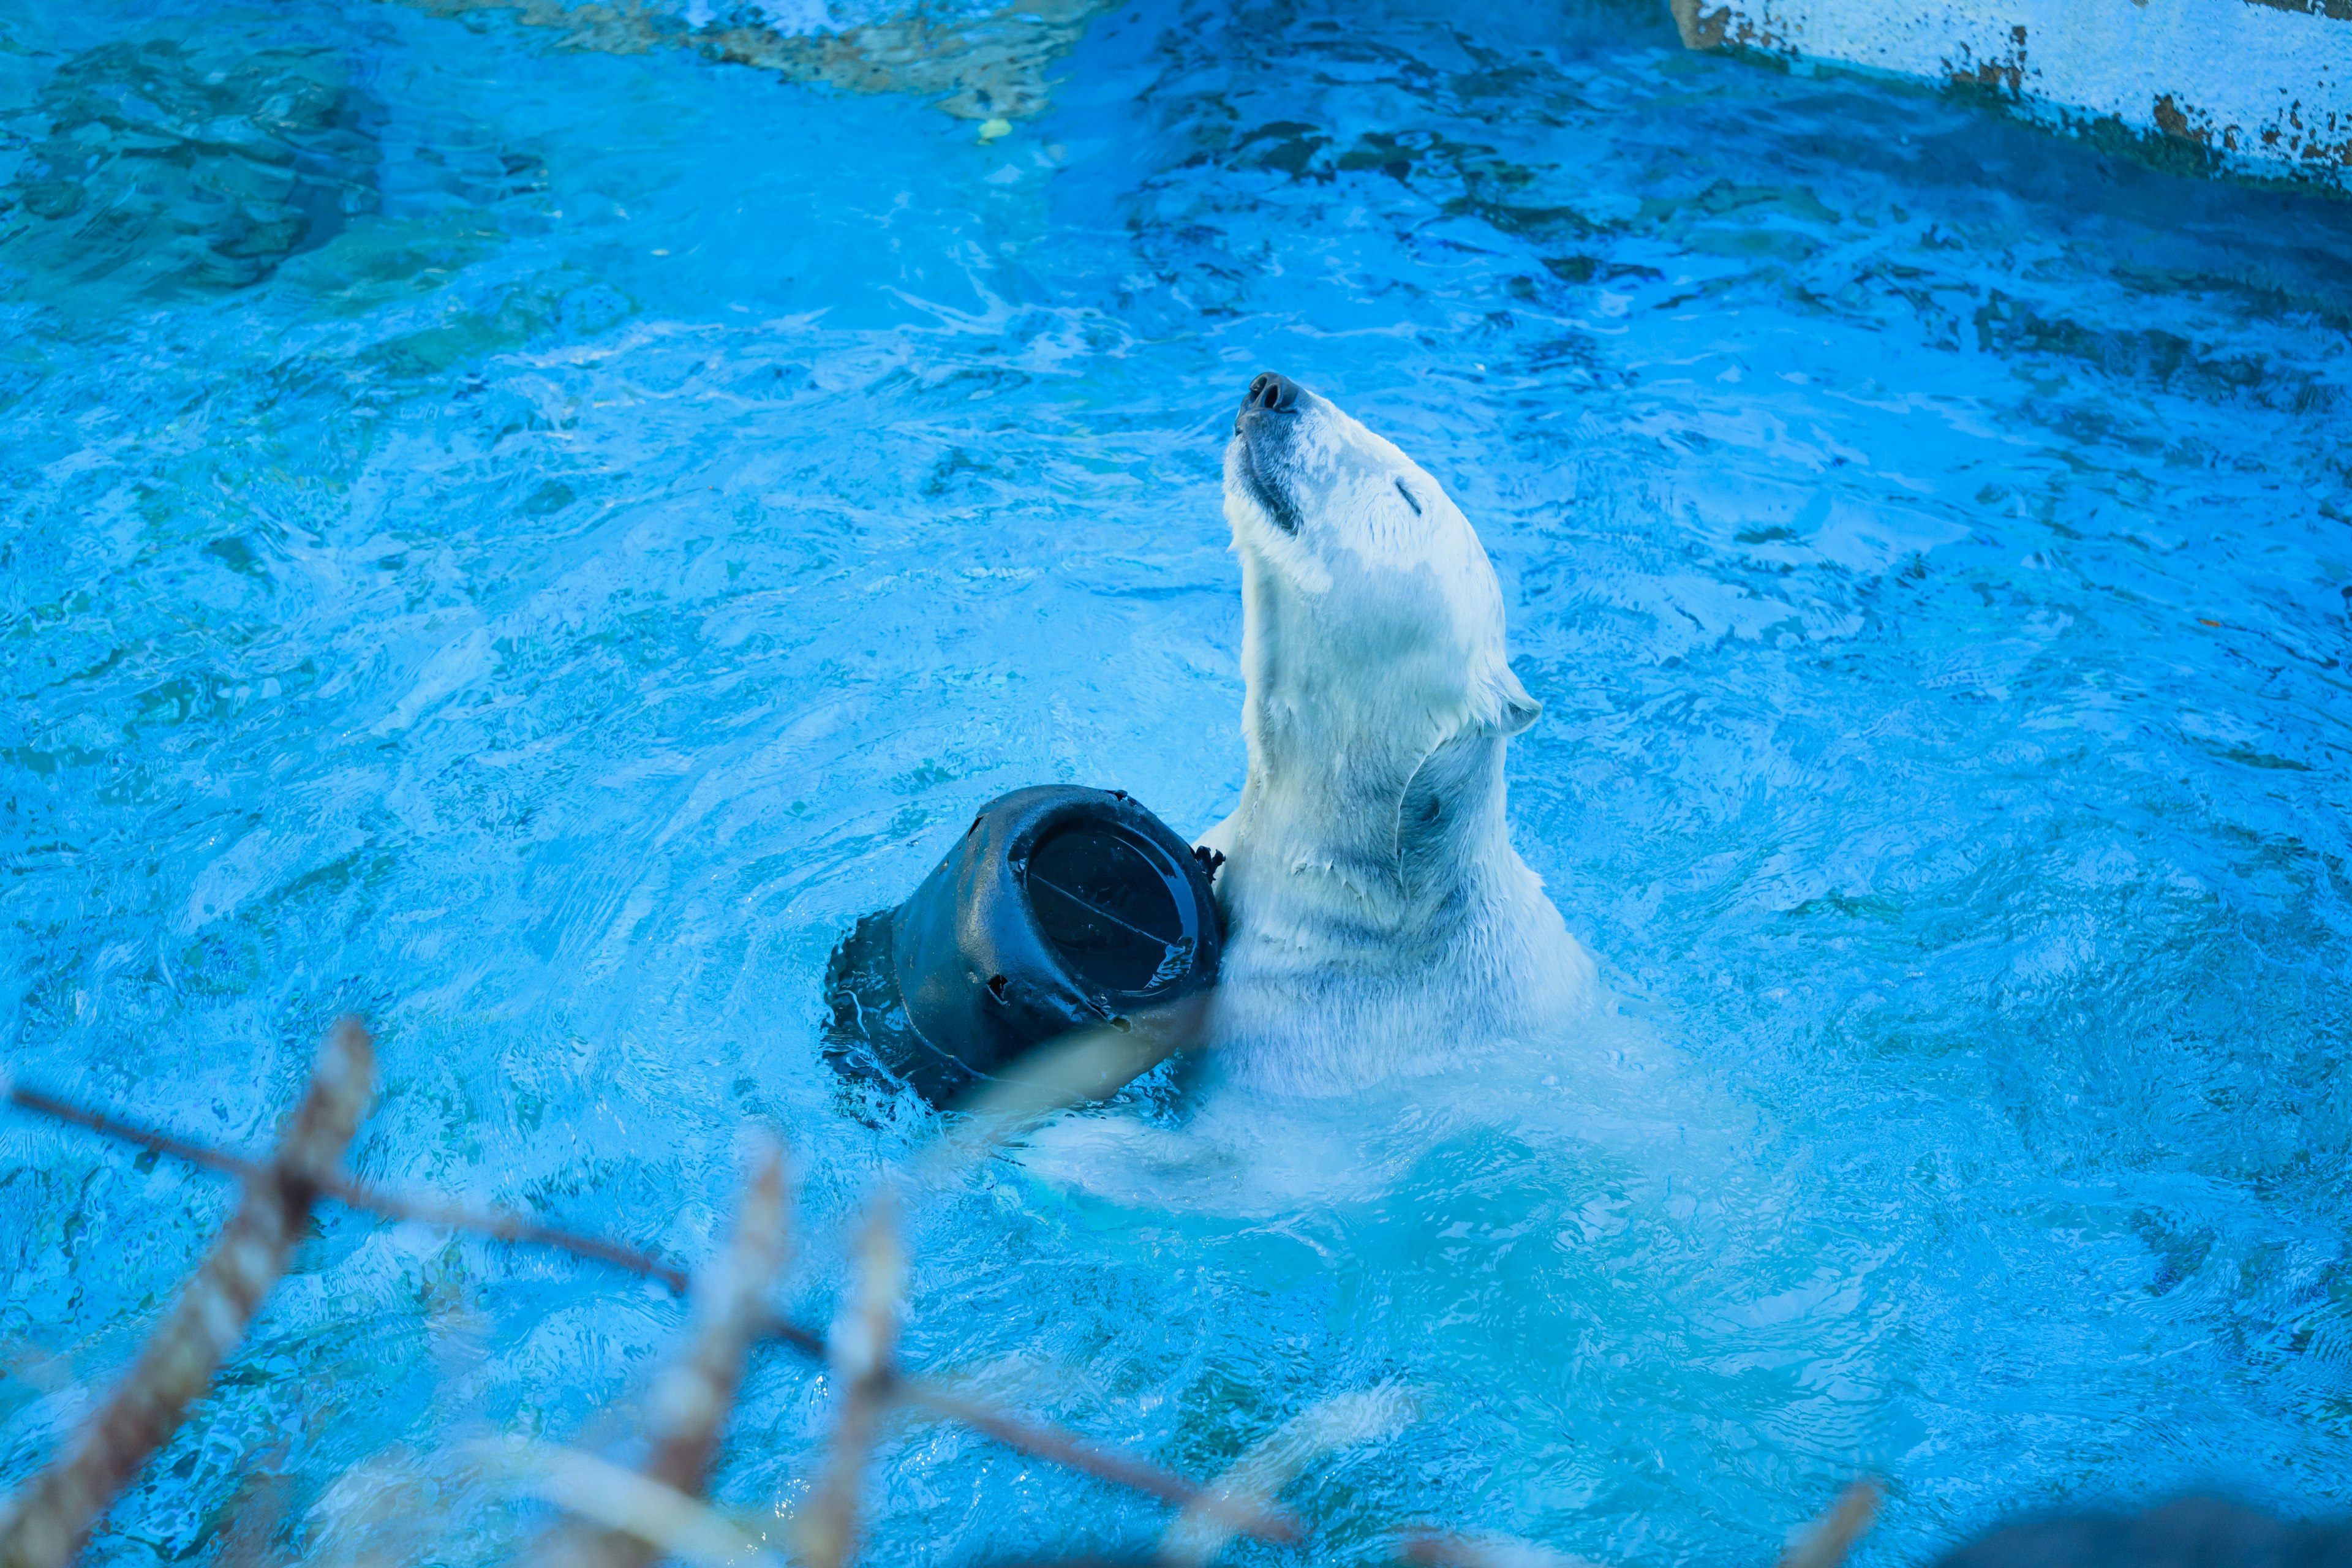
(2266, 85)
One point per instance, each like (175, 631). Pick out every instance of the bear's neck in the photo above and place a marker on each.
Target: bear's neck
(1370, 816)
(1350, 829)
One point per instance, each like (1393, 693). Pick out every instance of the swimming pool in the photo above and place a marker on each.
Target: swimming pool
(528, 541)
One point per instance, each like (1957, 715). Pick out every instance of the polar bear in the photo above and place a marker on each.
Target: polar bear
(1376, 914)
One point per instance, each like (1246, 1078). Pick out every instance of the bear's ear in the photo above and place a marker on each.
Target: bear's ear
(1514, 709)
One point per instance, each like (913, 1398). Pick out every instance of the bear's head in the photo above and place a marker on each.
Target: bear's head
(1372, 903)
(1372, 620)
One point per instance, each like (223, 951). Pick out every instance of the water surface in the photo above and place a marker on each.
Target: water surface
(528, 542)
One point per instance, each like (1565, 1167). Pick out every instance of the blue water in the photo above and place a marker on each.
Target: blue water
(534, 549)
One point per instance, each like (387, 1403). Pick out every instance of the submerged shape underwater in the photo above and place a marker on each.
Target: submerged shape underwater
(528, 541)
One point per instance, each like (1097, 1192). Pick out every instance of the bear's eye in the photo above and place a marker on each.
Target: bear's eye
(1408, 498)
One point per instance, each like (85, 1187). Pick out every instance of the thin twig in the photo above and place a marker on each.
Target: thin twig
(692, 1398)
(113, 1127)
(1271, 1463)
(695, 1395)
(1825, 1545)
(862, 1350)
(627, 1502)
(1038, 1093)
(1015, 1432)
(1061, 1448)
(1437, 1549)
(1083, 1065)
(502, 1226)
(497, 1226)
(1057, 1446)
(56, 1511)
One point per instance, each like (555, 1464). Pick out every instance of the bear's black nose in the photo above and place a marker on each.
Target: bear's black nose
(1267, 394)
(1269, 391)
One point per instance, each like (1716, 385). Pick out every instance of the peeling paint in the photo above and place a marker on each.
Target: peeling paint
(2257, 86)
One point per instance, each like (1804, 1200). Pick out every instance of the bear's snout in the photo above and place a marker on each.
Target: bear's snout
(1259, 458)
(1268, 392)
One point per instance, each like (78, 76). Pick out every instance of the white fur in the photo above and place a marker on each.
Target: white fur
(1376, 914)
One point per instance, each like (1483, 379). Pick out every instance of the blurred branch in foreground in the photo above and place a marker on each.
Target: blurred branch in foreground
(627, 1503)
(627, 1519)
(1271, 1463)
(1832, 1537)
(1088, 1066)
(1824, 1544)
(54, 1512)
(1440, 1551)
(351, 1194)
(695, 1394)
(862, 1349)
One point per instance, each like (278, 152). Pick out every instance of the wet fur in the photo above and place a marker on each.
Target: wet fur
(1376, 913)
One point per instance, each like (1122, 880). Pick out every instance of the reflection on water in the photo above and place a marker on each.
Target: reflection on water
(991, 64)
(180, 159)
(529, 541)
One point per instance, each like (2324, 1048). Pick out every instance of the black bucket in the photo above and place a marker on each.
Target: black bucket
(1059, 908)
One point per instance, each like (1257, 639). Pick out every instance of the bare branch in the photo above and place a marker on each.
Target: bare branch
(693, 1399)
(1057, 1446)
(56, 1511)
(1200, 1532)
(665, 1521)
(862, 1349)
(693, 1394)
(1083, 1065)
(500, 1226)
(1825, 1544)
(1439, 1550)
(1035, 1438)
(114, 1127)
(334, 1185)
